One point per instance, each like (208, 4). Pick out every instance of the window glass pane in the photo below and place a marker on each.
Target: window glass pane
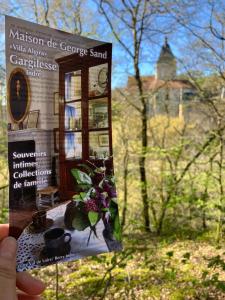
(98, 80)
(73, 86)
(98, 113)
(73, 145)
(73, 119)
(99, 144)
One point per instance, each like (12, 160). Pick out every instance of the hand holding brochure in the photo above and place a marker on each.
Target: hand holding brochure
(62, 194)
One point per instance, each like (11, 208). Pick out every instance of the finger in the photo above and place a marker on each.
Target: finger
(4, 230)
(22, 296)
(28, 284)
(8, 268)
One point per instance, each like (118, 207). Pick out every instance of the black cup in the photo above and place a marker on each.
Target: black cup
(39, 219)
(56, 241)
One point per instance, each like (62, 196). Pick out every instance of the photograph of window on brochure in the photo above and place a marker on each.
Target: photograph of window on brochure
(99, 144)
(73, 145)
(98, 80)
(73, 86)
(73, 119)
(98, 113)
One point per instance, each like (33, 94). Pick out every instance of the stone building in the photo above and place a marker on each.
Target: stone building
(171, 96)
(165, 91)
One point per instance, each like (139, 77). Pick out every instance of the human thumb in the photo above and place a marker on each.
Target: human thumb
(8, 269)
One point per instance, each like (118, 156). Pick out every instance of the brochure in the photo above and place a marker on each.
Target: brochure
(62, 194)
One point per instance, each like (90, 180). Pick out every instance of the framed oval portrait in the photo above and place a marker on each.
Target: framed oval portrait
(18, 95)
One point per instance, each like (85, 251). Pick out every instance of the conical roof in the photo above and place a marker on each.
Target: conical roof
(166, 52)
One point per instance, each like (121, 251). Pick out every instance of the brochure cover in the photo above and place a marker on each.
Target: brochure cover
(62, 194)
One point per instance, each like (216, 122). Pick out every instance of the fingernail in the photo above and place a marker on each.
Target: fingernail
(8, 248)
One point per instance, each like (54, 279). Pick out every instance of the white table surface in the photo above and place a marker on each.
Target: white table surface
(30, 245)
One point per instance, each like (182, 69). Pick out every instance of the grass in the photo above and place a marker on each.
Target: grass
(148, 268)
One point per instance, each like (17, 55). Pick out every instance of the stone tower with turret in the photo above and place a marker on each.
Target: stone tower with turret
(168, 95)
(166, 64)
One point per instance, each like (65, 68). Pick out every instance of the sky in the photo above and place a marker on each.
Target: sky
(94, 26)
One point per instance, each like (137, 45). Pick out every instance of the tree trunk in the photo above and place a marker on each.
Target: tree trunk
(125, 177)
(143, 177)
(204, 225)
(160, 222)
(163, 214)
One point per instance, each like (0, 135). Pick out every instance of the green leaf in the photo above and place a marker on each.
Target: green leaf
(77, 198)
(81, 177)
(101, 183)
(113, 260)
(93, 217)
(105, 209)
(83, 195)
(112, 179)
(187, 255)
(80, 221)
(113, 210)
(117, 229)
(90, 192)
(84, 187)
(152, 267)
(204, 274)
(221, 285)
(170, 254)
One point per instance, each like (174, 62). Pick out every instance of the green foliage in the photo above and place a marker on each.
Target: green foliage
(82, 179)
(186, 257)
(93, 217)
(144, 270)
(213, 278)
(4, 215)
(170, 254)
(216, 261)
(80, 221)
(117, 232)
(96, 201)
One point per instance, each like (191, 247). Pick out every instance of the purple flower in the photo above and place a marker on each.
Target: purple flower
(112, 193)
(111, 190)
(91, 205)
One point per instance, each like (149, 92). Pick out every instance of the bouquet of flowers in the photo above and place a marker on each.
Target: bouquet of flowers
(96, 200)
